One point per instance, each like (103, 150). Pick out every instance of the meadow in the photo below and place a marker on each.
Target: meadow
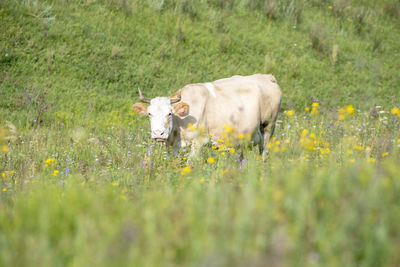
(83, 184)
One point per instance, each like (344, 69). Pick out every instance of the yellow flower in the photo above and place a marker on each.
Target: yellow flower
(314, 110)
(396, 111)
(123, 196)
(241, 136)
(398, 141)
(202, 180)
(350, 109)
(304, 133)
(231, 150)
(341, 117)
(50, 161)
(359, 148)
(290, 113)
(307, 109)
(330, 7)
(191, 127)
(349, 151)
(55, 172)
(214, 147)
(186, 170)
(3, 175)
(277, 142)
(4, 149)
(315, 104)
(385, 154)
(228, 128)
(83, 183)
(114, 184)
(352, 160)
(4, 189)
(312, 135)
(371, 160)
(210, 160)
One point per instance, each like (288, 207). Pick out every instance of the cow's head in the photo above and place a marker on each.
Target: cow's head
(161, 111)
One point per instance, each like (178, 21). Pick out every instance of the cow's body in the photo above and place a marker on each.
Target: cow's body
(248, 104)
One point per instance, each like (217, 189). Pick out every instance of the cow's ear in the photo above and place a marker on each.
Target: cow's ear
(181, 109)
(140, 108)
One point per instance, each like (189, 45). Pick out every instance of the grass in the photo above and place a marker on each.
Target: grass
(82, 183)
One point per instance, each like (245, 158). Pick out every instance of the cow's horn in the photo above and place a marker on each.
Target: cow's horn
(141, 97)
(175, 100)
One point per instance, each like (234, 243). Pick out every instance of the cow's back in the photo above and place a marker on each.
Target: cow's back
(240, 101)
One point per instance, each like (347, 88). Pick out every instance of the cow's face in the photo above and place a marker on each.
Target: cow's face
(161, 113)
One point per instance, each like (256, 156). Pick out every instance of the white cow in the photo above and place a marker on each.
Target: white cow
(248, 104)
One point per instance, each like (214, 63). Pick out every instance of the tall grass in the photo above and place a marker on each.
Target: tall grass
(82, 183)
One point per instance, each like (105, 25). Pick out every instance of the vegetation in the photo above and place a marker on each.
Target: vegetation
(82, 183)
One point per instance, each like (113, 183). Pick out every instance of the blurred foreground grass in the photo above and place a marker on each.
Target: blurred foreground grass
(327, 196)
(81, 183)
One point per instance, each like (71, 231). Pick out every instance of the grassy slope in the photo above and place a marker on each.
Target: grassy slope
(116, 202)
(98, 54)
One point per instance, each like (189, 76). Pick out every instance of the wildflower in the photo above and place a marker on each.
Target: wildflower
(312, 136)
(330, 7)
(385, 154)
(202, 180)
(214, 147)
(359, 148)
(4, 149)
(290, 113)
(240, 136)
(350, 109)
(277, 142)
(231, 150)
(304, 133)
(186, 170)
(314, 110)
(4, 189)
(396, 111)
(50, 161)
(371, 160)
(315, 104)
(83, 183)
(210, 160)
(123, 196)
(114, 184)
(349, 151)
(352, 160)
(398, 141)
(55, 172)
(228, 128)
(307, 109)
(341, 117)
(191, 127)
(3, 175)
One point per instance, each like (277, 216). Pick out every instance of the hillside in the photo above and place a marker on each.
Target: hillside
(89, 57)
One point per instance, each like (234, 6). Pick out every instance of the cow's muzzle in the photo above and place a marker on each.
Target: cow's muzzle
(160, 139)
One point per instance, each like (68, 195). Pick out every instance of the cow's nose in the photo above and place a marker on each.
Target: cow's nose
(158, 134)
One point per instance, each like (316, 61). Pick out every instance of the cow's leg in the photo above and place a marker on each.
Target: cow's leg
(195, 149)
(267, 131)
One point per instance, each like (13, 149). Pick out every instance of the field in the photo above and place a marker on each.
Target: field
(83, 184)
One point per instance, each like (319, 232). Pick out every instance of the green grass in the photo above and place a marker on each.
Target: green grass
(109, 196)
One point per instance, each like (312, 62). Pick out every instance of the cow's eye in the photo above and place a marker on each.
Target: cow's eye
(149, 114)
(169, 114)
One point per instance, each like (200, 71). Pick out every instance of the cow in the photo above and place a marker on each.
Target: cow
(248, 104)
